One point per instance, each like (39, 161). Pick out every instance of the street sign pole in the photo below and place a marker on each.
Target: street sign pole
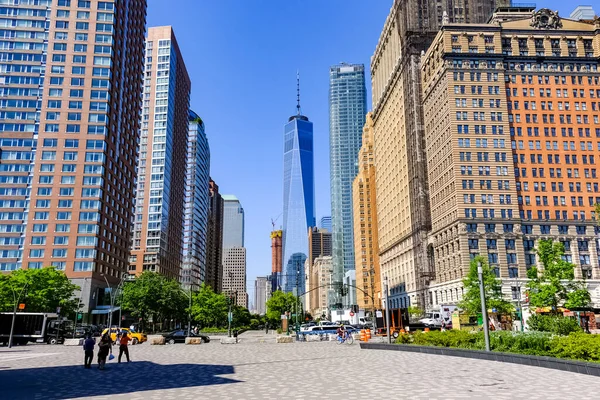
(486, 327)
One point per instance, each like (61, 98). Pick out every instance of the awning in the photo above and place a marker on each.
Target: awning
(105, 310)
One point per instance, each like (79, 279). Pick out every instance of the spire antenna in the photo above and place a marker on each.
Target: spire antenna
(298, 92)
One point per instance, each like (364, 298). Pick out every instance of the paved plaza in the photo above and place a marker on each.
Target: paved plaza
(258, 368)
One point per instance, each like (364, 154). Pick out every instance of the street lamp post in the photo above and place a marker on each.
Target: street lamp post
(229, 313)
(519, 304)
(387, 309)
(12, 324)
(111, 303)
(297, 296)
(486, 327)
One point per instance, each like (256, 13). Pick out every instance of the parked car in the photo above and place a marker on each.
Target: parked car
(179, 335)
(136, 337)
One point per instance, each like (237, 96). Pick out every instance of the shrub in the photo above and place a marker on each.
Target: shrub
(452, 338)
(577, 346)
(537, 343)
(405, 338)
(556, 324)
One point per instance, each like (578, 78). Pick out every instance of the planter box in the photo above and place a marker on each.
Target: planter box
(193, 340)
(156, 340)
(581, 367)
(73, 342)
(285, 339)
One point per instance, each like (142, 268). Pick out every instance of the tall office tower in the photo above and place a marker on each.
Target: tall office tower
(368, 274)
(583, 12)
(70, 98)
(233, 222)
(195, 225)
(261, 289)
(401, 174)
(214, 238)
(234, 275)
(234, 252)
(510, 113)
(276, 255)
(347, 109)
(160, 200)
(298, 197)
(325, 223)
(319, 242)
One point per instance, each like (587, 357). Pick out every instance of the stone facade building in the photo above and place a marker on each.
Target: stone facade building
(512, 123)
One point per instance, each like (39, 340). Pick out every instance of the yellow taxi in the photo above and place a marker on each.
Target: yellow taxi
(136, 337)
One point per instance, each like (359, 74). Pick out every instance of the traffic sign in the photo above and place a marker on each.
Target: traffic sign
(352, 313)
(230, 316)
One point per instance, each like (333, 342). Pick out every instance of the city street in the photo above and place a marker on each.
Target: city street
(257, 368)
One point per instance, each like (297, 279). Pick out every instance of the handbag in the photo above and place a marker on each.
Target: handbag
(111, 357)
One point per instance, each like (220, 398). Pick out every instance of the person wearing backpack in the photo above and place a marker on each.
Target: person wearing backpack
(105, 347)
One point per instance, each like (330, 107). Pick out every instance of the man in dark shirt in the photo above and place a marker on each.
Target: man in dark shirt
(88, 348)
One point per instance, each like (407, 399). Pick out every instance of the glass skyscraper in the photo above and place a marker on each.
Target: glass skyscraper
(195, 218)
(347, 110)
(298, 199)
(233, 222)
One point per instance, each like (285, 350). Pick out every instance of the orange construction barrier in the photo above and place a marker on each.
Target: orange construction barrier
(426, 329)
(368, 334)
(362, 335)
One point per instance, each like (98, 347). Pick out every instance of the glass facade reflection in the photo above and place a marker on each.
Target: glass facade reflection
(193, 268)
(347, 110)
(298, 199)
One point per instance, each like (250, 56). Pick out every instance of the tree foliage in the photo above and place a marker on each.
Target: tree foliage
(279, 304)
(46, 289)
(471, 301)
(209, 309)
(153, 295)
(554, 286)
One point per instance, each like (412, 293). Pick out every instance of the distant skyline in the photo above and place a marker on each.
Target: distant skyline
(242, 59)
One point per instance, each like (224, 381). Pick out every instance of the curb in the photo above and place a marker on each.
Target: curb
(579, 367)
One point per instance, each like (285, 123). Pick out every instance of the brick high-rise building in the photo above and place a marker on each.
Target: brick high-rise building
(276, 255)
(399, 141)
(366, 247)
(214, 239)
(160, 201)
(70, 100)
(512, 121)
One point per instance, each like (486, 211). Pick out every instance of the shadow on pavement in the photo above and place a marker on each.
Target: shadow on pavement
(53, 383)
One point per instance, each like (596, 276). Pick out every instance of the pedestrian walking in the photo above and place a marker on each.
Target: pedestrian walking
(88, 348)
(105, 347)
(123, 341)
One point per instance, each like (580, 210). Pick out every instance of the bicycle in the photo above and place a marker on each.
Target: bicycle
(347, 338)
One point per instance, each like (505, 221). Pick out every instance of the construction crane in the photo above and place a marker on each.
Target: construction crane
(273, 221)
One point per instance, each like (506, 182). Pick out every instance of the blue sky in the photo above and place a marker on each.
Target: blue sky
(242, 57)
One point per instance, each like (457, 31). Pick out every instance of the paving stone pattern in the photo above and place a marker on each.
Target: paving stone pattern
(258, 368)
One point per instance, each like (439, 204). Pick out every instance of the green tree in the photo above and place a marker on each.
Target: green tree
(153, 295)
(46, 290)
(492, 286)
(554, 285)
(209, 309)
(278, 304)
